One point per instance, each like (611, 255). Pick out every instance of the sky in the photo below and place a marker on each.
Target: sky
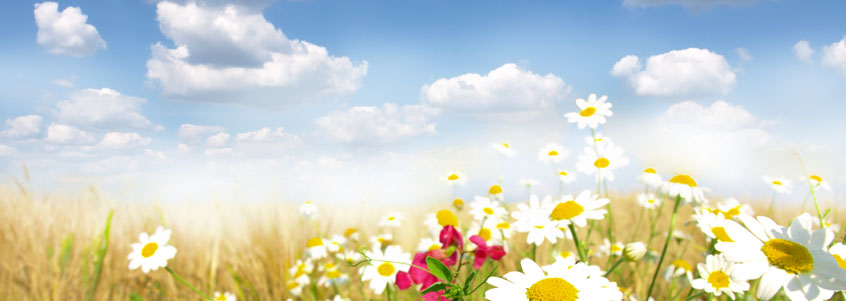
(345, 101)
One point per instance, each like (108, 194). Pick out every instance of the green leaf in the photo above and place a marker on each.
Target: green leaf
(135, 297)
(438, 286)
(64, 259)
(98, 263)
(438, 268)
(469, 281)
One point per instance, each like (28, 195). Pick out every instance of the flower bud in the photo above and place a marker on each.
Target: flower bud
(634, 251)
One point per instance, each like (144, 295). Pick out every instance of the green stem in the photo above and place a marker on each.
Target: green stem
(813, 194)
(694, 296)
(666, 245)
(614, 267)
(579, 248)
(534, 251)
(178, 278)
(495, 268)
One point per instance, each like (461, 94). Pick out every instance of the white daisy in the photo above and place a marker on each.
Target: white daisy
(563, 280)
(793, 258)
(383, 267)
(350, 256)
(484, 208)
(454, 177)
(713, 224)
(817, 181)
(731, 208)
(578, 210)
(351, 234)
(392, 220)
(489, 233)
(610, 158)
(597, 139)
(151, 252)
(534, 219)
(332, 276)
(648, 200)
(651, 178)
(718, 277)
(381, 240)
(592, 112)
(678, 268)
(685, 187)
(435, 222)
(566, 177)
(607, 248)
(552, 153)
(838, 251)
(227, 296)
(505, 149)
(300, 271)
(428, 244)
(308, 210)
(316, 248)
(336, 243)
(496, 192)
(833, 228)
(505, 229)
(780, 184)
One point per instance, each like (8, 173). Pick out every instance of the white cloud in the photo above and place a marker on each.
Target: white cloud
(834, 55)
(6, 151)
(369, 124)
(232, 54)
(61, 82)
(66, 32)
(743, 53)
(218, 140)
(23, 126)
(803, 51)
(183, 148)
(689, 4)
(678, 73)
(267, 140)
(719, 114)
(123, 140)
(62, 133)
(195, 133)
(103, 107)
(507, 89)
(218, 151)
(154, 154)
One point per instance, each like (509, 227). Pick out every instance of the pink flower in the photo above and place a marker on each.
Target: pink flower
(421, 275)
(483, 251)
(403, 280)
(451, 237)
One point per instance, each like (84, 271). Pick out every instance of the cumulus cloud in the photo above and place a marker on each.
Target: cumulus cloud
(103, 107)
(266, 140)
(507, 89)
(67, 134)
(743, 53)
(834, 56)
(369, 124)
(66, 32)
(232, 54)
(123, 140)
(803, 51)
(719, 114)
(689, 72)
(195, 133)
(218, 140)
(23, 126)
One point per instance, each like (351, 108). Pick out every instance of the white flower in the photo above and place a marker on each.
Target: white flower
(685, 187)
(336, 243)
(505, 229)
(731, 208)
(566, 177)
(793, 258)
(428, 244)
(351, 233)
(316, 248)
(534, 218)
(435, 222)
(563, 280)
(838, 251)
(779, 184)
(151, 252)
(597, 139)
(308, 210)
(227, 296)
(578, 210)
(454, 177)
(489, 233)
(592, 112)
(609, 158)
(383, 268)
(817, 181)
(350, 256)
(484, 208)
(651, 178)
(678, 268)
(648, 200)
(381, 240)
(713, 225)
(332, 276)
(552, 153)
(392, 220)
(505, 149)
(718, 276)
(608, 248)
(300, 271)
(634, 251)
(833, 228)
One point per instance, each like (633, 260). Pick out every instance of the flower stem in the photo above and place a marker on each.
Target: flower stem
(178, 278)
(813, 194)
(582, 256)
(666, 245)
(614, 267)
(534, 251)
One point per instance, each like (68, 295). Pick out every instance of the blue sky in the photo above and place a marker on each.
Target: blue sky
(771, 98)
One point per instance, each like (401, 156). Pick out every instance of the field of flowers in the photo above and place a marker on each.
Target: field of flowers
(672, 241)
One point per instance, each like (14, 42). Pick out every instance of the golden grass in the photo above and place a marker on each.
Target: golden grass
(239, 247)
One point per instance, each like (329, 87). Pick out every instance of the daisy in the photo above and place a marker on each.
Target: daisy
(485, 209)
(534, 219)
(437, 221)
(651, 178)
(648, 200)
(458, 203)
(817, 181)
(336, 243)
(392, 220)
(833, 228)
(607, 248)
(678, 268)
(295, 288)
(714, 225)
(597, 139)
(308, 210)
(780, 184)
(529, 182)
(793, 258)
(610, 158)
(685, 187)
(552, 153)
(592, 112)
(634, 251)
(428, 244)
(351, 256)
(718, 277)
(454, 177)
(315, 248)
(383, 267)
(564, 280)
(152, 251)
(300, 271)
(505, 149)
(227, 296)
(566, 177)
(489, 233)
(382, 240)
(332, 276)
(351, 233)
(505, 229)
(838, 251)
(731, 208)
(578, 210)
(496, 192)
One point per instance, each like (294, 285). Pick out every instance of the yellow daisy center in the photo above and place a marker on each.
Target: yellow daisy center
(220, 297)
(651, 201)
(840, 261)
(552, 153)
(565, 254)
(815, 178)
(446, 218)
(718, 279)
(615, 248)
(458, 202)
(587, 112)
(452, 177)
(789, 256)
(293, 285)
(681, 263)
(300, 270)
(434, 247)
(333, 274)
(314, 242)
(495, 189)
(386, 269)
(649, 170)
(601, 163)
(552, 289)
(349, 231)
(732, 212)
(566, 210)
(390, 218)
(488, 210)
(503, 225)
(538, 227)
(684, 180)
(485, 233)
(778, 183)
(562, 173)
(506, 145)
(149, 249)
(720, 234)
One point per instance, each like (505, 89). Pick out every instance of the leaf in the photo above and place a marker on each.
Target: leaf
(438, 286)
(98, 263)
(135, 297)
(64, 259)
(469, 281)
(438, 268)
